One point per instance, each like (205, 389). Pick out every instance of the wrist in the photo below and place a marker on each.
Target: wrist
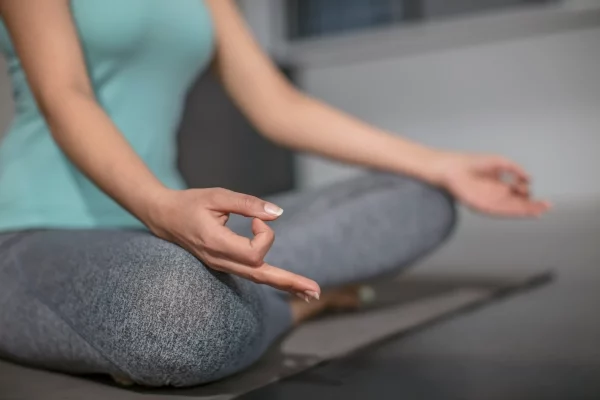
(440, 168)
(156, 205)
(431, 165)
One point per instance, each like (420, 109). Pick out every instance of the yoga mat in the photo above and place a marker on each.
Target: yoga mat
(403, 305)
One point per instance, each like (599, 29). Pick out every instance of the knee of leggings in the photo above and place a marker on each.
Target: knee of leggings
(441, 205)
(436, 206)
(187, 326)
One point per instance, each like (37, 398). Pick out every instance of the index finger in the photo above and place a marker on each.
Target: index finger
(272, 276)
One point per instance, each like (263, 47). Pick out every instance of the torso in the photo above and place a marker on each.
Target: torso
(142, 56)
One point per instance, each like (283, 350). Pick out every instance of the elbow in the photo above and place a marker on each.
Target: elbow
(61, 108)
(53, 100)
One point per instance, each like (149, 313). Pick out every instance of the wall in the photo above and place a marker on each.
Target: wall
(445, 7)
(534, 99)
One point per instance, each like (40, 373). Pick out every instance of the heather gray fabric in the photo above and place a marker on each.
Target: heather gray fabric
(127, 303)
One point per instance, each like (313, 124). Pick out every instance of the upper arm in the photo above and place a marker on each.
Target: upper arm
(249, 76)
(46, 41)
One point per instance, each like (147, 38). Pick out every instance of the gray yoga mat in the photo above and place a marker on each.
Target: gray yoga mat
(403, 305)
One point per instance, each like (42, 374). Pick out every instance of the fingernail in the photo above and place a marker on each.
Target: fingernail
(312, 294)
(303, 297)
(273, 209)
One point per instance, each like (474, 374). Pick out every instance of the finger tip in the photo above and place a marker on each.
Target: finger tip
(314, 287)
(312, 294)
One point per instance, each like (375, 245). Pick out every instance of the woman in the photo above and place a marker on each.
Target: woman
(108, 264)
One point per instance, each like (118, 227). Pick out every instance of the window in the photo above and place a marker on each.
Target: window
(314, 18)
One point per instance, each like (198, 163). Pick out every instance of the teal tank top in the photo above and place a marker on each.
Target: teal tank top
(142, 56)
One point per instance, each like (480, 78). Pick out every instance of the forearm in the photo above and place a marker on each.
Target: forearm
(93, 143)
(289, 118)
(306, 124)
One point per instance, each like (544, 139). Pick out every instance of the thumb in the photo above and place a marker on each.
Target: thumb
(229, 201)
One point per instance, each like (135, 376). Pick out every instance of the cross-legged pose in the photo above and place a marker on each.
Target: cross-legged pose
(109, 264)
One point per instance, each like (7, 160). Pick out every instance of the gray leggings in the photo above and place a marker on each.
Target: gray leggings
(126, 303)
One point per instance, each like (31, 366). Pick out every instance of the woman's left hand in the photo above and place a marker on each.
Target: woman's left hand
(489, 184)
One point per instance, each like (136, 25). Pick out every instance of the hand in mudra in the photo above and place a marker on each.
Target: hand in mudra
(490, 184)
(195, 219)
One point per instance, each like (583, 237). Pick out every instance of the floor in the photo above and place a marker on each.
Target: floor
(543, 344)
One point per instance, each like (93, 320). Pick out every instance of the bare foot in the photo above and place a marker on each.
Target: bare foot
(347, 298)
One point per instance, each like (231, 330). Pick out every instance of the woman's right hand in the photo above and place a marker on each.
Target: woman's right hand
(195, 220)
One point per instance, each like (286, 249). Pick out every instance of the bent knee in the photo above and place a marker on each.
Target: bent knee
(222, 348)
(194, 347)
(417, 217)
(433, 207)
(439, 210)
(184, 324)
